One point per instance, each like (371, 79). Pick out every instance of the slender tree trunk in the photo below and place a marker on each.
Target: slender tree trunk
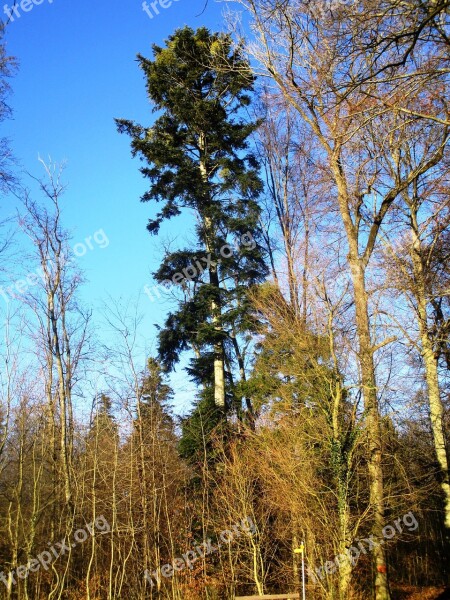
(431, 367)
(342, 470)
(64, 451)
(369, 387)
(143, 489)
(14, 524)
(358, 265)
(305, 270)
(286, 229)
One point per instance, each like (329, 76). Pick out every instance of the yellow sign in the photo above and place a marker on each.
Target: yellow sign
(299, 550)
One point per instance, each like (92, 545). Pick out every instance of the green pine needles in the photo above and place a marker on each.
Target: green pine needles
(197, 158)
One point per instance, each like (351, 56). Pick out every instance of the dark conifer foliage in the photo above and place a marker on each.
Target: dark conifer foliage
(198, 158)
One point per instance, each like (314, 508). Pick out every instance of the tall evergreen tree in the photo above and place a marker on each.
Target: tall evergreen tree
(155, 394)
(198, 159)
(103, 425)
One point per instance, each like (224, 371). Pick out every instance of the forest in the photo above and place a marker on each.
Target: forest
(299, 158)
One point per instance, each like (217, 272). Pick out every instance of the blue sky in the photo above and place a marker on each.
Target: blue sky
(77, 72)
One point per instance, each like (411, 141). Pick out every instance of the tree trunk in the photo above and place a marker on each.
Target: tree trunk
(219, 366)
(369, 387)
(431, 367)
(358, 265)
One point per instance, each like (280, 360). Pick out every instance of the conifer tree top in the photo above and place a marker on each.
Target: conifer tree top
(197, 149)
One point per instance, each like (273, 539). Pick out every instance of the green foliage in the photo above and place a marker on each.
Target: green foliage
(197, 158)
(198, 428)
(155, 394)
(293, 366)
(200, 84)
